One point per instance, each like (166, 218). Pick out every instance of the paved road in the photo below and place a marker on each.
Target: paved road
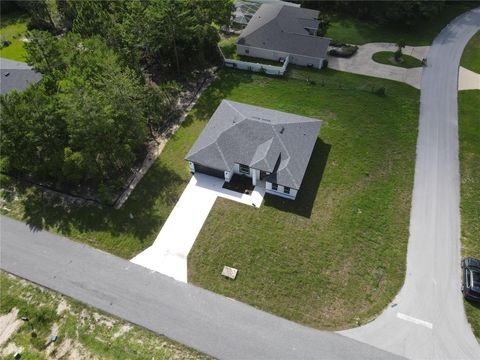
(428, 320)
(208, 322)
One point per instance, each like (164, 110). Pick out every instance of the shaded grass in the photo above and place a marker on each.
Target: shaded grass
(90, 331)
(471, 54)
(355, 31)
(13, 29)
(387, 57)
(319, 260)
(469, 130)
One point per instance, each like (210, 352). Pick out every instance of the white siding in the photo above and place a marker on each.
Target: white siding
(279, 191)
(276, 55)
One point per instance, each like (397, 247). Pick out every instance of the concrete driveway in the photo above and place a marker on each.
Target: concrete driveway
(427, 319)
(168, 254)
(362, 63)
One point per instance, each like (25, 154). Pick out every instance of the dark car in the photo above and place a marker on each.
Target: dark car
(471, 279)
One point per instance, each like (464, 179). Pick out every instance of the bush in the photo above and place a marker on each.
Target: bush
(336, 43)
(344, 51)
(380, 91)
(325, 63)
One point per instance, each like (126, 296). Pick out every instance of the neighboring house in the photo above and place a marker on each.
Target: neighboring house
(273, 148)
(277, 31)
(16, 75)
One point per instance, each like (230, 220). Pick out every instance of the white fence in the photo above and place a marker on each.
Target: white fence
(256, 67)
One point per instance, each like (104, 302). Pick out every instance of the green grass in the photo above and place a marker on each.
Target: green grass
(13, 29)
(469, 130)
(319, 260)
(79, 328)
(387, 57)
(355, 31)
(471, 54)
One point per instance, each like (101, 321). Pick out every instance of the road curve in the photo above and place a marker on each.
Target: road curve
(427, 319)
(208, 322)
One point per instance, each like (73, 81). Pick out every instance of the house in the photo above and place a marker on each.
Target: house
(273, 148)
(16, 75)
(278, 30)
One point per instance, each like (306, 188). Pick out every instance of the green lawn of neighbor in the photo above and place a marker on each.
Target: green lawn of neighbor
(355, 31)
(387, 57)
(13, 28)
(471, 54)
(335, 257)
(469, 130)
(82, 331)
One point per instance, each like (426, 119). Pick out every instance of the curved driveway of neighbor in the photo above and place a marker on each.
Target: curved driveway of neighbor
(427, 319)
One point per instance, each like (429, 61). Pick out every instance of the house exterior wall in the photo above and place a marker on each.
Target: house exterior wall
(276, 55)
(279, 191)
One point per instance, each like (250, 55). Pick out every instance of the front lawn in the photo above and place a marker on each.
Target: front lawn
(13, 28)
(355, 31)
(387, 57)
(469, 130)
(83, 333)
(471, 54)
(335, 257)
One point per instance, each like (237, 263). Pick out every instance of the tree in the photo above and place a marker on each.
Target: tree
(87, 121)
(398, 54)
(324, 23)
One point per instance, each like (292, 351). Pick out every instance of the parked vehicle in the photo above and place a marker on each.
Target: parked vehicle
(471, 279)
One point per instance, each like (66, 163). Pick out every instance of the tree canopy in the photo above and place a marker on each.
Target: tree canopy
(86, 121)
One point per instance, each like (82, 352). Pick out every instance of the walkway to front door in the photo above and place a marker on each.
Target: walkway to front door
(168, 254)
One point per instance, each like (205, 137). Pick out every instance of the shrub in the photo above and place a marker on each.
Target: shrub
(397, 55)
(344, 51)
(325, 63)
(380, 91)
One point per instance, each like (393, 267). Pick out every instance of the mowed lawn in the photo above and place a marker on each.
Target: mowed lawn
(471, 54)
(13, 28)
(469, 130)
(356, 31)
(387, 57)
(335, 257)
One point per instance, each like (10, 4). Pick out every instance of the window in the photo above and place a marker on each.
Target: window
(274, 186)
(244, 169)
(247, 51)
(286, 190)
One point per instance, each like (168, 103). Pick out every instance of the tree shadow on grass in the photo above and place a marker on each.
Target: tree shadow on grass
(307, 194)
(140, 219)
(227, 80)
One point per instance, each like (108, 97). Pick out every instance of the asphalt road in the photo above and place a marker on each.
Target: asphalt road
(427, 318)
(208, 322)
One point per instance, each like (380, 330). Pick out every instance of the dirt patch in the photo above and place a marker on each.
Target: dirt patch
(9, 324)
(62, 306)
(123, 330)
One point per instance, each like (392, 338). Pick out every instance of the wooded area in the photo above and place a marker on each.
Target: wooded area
(109, 71)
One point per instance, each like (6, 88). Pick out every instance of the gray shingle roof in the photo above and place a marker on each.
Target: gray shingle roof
(16, 75)
(273, 141)
(285, 28)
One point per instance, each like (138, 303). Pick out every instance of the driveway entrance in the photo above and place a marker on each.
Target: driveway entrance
(168, 254)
